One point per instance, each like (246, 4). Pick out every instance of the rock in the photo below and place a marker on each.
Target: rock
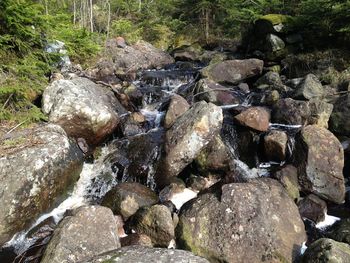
(37, 166)
(137, 254)
(340, 118)
(275, 144)
(274, 43)
(292, 112)
(320, 161)
(200, 183)
(177, 106)
(87, 232)
(257, 118)
(210, 91)
(133, 124)
(313, 208)
(272, 80)
(215, 157)
(320, 112)
(83, 108)
(188, 53)
(196, 127)
(233, 71)
(309, 88)
(126, 198)
(141, 55)
(288, 177)
(327, 251)
(177, 195)
(242, 224)
(120, 41)
(340, 231)
(156, 222)
(271, 23)
(136, 240)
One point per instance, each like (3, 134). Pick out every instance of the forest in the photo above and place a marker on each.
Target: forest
(26, 26)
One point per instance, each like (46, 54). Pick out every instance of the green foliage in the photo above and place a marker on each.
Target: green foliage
(126, 29)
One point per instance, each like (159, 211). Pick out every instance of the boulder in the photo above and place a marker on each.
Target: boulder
(37, 167)
(136, 239)
(141, 55)
(340, 231)
(327, 251)
(309, 88)
(215, 157)
(241, 223)
(126, 198)
(83, 108)
(275, 144)
(340, 118)
(86, 232)
(319, 158)
(320, 112)
(274, 43)
(292, 112)
(288, 177)
(188, 53)
(137, 254)
(257, 118)
(210, 91)
(156, 222)
(233, 71)
(177, 106)
(196, 127)
(313, 208)
(271, 80)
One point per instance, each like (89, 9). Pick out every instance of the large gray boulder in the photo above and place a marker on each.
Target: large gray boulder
(88, 231)
(36, 168)
(309, 88)
(327, 250)
(141, 55)
(137, 254)
(187, 137)
(83, 108)
(320, 161)
(244, 222)
(233, 71)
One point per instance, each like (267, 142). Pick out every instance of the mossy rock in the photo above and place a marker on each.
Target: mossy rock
(275, 19)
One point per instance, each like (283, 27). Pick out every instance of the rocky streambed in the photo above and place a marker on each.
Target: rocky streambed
(144, 159)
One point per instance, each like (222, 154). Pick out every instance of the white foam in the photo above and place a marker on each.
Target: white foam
(303, 248)
(328, 221)
(179, 199)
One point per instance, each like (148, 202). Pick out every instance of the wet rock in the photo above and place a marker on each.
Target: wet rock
(292, 112)
(288, 177)
(257, 118)
(320, 112)
(233, 71)
(197, 127)
(340, 118)
(340, 231)
(177, 194)
(188, 53)
(320, 161)
(200, 183)
(137, 254)
(177, 106)
(309, 88)
(136, 240)
(141, 55)
(275, 144)
(126, 198)
(133, 124)
(242, 224)
(210, 91)
(313, 208)
(215, 157)
(37, 166)
(156, 222)
(326, 251)
(83, 108)
(88, 231)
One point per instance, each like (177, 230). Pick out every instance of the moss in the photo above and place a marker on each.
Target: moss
(275, 19)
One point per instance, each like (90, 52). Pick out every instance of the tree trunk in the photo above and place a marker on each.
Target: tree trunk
(207, 25)
(91, 17)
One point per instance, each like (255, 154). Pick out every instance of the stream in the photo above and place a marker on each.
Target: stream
(111, 167)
